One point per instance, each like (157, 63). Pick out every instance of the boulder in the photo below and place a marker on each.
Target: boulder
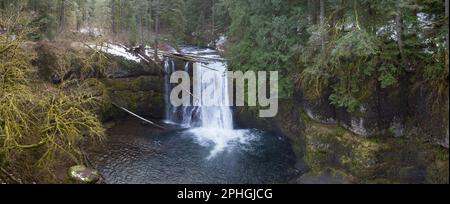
(82, 175)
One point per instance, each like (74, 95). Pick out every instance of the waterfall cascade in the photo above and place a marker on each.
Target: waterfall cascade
(210, 116)
(210, 108)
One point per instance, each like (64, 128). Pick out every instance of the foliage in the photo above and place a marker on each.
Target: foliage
(264, 36)
(352, 47)
(41, 119)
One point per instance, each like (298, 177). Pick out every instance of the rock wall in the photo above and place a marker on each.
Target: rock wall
(402, 111)
(135, 86)
(142, 95)
(329, 153)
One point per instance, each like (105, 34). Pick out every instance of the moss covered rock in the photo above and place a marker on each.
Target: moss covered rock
(143, 95)
(337, 155)
(82, 175)
(374, 160)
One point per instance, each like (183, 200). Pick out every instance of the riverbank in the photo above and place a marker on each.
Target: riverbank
(333, 154)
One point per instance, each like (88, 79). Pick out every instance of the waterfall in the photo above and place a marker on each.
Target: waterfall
(211, 107)
(214, 108)
(169, 68)
(209, 117)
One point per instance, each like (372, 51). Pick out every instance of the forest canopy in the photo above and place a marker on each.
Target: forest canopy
(352, 46)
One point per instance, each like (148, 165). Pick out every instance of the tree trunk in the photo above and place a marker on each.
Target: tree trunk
(213, 22)
(322, 23)
(140, 30)
(149, 15)
(399, 32)
(157, 29)
(446, 36)
(113, 17)
(312, 4)
(62, 15)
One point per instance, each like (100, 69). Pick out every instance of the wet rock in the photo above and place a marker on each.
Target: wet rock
(431, 114)
(350, 157)
(142, 95)
(83, 175)
(301, 167)
(319, 109)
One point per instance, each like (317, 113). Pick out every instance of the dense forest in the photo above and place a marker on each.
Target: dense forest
(308, 40)
(345, 48)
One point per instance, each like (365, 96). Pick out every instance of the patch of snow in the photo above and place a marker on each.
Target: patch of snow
(388, 30)
(118, 50)
(220, 43)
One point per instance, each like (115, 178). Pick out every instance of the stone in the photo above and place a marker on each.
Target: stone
(301, 166)
(83, 175)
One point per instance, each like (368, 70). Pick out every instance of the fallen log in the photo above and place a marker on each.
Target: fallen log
(140, 52)
(188, 57)
(139, 117)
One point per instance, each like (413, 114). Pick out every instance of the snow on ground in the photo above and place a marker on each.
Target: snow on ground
(117, 50)
(120, 51)
(220, 43)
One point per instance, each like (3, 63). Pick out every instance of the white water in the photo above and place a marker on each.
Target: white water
(169, 68)
(210, 118)
(214, 111)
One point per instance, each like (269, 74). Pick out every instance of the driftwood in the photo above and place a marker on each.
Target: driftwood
(139, 117)
(140, 52)
(188, 57)
(178, 56)
(205, 58)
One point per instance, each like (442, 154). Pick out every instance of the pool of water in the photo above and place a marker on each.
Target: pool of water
(142, 155)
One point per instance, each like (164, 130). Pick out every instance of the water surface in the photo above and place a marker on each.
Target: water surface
(142, 155)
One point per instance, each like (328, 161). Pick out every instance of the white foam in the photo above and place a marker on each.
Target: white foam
(222, 139)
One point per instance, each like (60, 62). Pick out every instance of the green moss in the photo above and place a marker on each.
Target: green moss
(142, 83)
(330, 146)
(438, 173)
(442, 154)
(374, 160)
(140, 95)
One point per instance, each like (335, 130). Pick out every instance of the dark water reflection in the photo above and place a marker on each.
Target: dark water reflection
(137, 154)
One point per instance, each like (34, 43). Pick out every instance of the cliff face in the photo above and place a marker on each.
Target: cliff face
(141, 95)
(404, 111)
(135, 86)
(330, 153)
(379, 144)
